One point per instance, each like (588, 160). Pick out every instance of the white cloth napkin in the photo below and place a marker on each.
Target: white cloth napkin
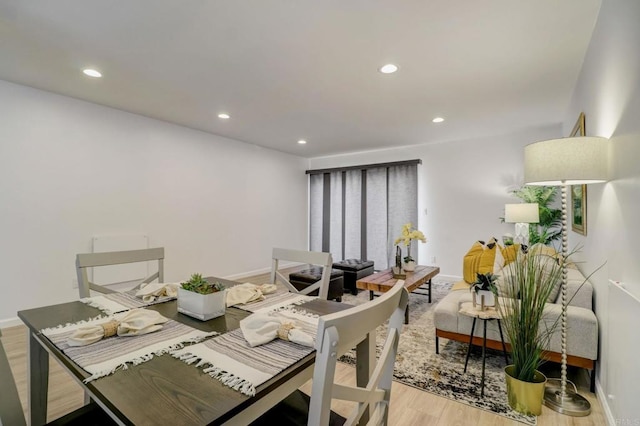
(259, 329)
(246, 293)
(132, 323)
(152, 291)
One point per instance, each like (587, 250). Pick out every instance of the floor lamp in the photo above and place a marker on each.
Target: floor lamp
(563, 162)
(522, 215)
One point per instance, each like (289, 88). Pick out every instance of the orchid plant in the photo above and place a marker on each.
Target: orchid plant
(409, 233)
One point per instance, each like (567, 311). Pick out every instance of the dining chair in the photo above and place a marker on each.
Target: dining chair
(84, 261)
(11, 413)
(302, 256)
(337, 334)
(10, 407)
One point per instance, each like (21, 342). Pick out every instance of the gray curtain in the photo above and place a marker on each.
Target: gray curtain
(315, 212)
(359, 213)
(402, 206)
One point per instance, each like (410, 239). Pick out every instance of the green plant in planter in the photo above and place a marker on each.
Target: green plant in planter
(549, 228)
(197, 284)
(485, 282)
(531, 279)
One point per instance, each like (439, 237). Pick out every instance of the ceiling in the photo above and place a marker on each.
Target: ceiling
(303, 69)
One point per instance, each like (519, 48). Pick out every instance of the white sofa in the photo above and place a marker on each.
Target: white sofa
(582, 324)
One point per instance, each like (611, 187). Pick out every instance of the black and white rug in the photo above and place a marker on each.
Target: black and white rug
(418, 365)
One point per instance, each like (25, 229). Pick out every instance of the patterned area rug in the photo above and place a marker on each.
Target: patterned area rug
(418, 365)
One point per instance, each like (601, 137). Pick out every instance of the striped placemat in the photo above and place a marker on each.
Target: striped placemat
(108, 355)
(275, 301)
(111, 303)
(229, 358)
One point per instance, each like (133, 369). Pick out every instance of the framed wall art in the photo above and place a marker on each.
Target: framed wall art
(579, 192)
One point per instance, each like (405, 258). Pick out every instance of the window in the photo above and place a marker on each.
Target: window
(357, 212)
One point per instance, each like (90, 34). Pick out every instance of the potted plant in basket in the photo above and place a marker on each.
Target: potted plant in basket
(485, 290)
(406, 237)
(528, 282)
(200, 299)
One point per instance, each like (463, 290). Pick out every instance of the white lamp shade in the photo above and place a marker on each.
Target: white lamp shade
(521, 213)
(567, 161)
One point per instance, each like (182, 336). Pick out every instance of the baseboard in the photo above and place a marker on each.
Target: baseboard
(240, 276)
(10, 322)
(449, 278)
(604, 401)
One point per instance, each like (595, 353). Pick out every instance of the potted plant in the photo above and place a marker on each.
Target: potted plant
(548, 229)
(485, 287)
(528, 282)
(406, 237)
(200, 299)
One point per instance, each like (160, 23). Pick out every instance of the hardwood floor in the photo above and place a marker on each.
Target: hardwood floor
(409, 406)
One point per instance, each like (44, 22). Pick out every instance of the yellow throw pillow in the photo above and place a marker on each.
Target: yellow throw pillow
(491, 260)
(510, 253)
(471, 262)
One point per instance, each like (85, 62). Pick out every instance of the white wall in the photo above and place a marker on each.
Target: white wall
(70, 170)
(608, 91)
(463, 187)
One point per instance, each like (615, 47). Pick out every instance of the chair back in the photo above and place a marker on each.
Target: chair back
(93, 260)
(10, 408)
(302, 256)
(342, 331)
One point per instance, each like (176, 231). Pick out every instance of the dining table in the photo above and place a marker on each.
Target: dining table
(165, 390)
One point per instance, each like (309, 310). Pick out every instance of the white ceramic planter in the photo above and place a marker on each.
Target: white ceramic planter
(202, 306)
(489, 298)
(409, 266)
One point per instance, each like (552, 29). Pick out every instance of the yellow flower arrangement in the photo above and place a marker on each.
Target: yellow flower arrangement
(407, 236)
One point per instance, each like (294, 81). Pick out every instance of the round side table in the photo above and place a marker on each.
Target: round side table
(485, 315)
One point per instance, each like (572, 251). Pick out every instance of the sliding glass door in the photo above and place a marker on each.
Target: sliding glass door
(358, 212)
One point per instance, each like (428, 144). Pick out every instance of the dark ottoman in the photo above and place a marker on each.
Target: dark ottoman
(303, 279)
(354, 269)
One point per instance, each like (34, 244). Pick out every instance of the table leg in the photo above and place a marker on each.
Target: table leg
(365, 361)
(370, 294)
(429, 291)
(466, 361)
(504, 347)
(484, 349)
(38, 381)
(406, 314)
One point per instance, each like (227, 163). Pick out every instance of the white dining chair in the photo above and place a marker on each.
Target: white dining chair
(337, 334)
(307, 257)
(85, 261)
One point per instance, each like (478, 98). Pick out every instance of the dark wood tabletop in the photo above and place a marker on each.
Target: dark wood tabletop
(163, 390)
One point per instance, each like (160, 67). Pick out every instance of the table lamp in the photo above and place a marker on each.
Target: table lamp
(563, 162)
(522, 215)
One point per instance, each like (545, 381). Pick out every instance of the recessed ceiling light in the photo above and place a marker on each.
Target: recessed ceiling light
(224, 116)
(438, 120)
(92, 73)
(388, 69)
(302, 142)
